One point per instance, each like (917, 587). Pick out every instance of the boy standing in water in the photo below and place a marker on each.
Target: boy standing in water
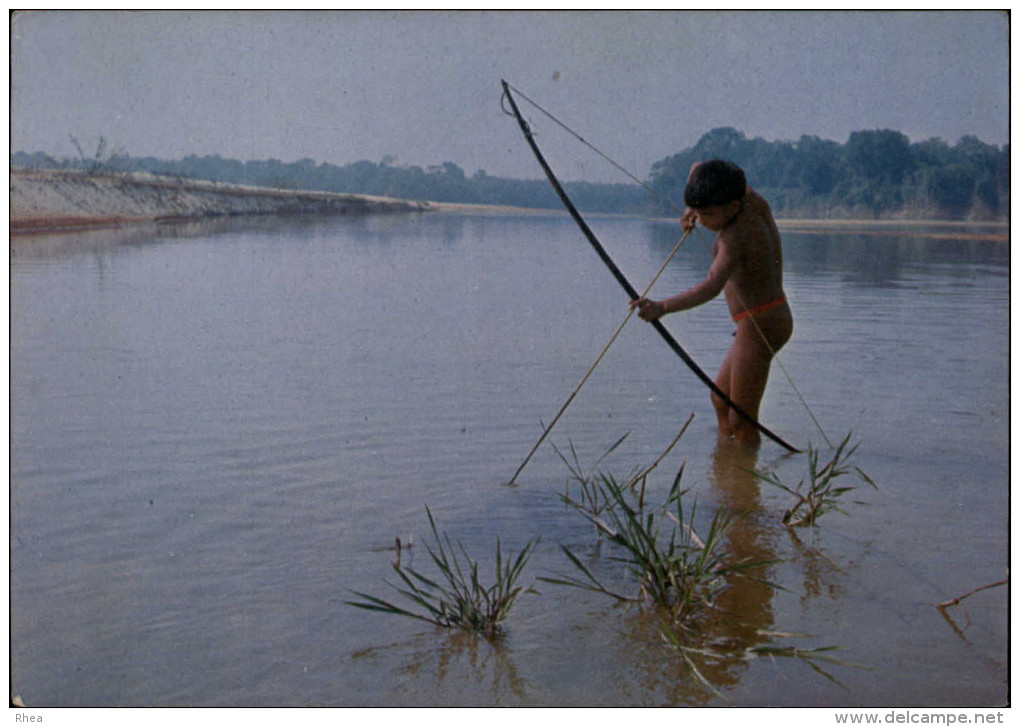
(747, 264)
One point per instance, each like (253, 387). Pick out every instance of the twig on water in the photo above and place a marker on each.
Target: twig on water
(955, 601)
(943, 607)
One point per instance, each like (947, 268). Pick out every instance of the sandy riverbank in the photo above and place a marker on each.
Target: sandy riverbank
(494, 209)
(995, 231)
(937, 229)
(49, 200)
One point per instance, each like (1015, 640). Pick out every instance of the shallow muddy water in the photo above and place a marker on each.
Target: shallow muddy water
(217, 430)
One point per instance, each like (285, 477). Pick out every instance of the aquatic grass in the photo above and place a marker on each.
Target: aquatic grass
(659, 547)
(590, 498)
(593, 484)
(819, 493)
(456, 598)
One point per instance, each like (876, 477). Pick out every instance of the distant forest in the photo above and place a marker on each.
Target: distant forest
(875, 174)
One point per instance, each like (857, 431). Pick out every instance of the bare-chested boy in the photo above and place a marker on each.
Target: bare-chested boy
(747, 264)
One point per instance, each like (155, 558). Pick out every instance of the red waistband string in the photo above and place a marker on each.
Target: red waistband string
(760, 309)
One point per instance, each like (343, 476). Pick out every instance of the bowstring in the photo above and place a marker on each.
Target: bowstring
(669, 203)
(648, 188)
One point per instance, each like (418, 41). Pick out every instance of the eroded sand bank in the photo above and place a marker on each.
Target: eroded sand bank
(48, 200)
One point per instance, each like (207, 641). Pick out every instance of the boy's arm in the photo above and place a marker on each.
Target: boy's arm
(722, 268)
(723, 265)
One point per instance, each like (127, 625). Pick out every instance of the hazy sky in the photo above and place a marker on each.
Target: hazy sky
(424, 87)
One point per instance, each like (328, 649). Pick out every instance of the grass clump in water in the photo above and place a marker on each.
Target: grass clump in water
(820, 493)
(672, 566)
(590, 486)
(593, 485)
(456, 598)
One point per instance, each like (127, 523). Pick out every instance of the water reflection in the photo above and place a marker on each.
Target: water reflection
(743, 615)
(872, 257)
(374, 230)
(821, 574)
(712, 654)
(440, 667)
(746, 602)
(665, 676)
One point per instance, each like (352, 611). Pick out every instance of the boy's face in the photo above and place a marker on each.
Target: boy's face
(717, 217)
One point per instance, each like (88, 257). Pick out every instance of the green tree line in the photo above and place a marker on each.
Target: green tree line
(875, 174)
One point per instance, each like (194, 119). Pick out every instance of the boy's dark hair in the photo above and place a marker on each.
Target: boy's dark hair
(713, 183)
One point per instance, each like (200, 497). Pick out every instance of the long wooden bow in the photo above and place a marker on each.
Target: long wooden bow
(622, 279)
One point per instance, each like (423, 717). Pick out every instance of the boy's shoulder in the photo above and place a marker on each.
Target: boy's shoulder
(758, 203)
(745, 232)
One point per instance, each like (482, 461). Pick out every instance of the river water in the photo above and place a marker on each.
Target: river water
(218, 429)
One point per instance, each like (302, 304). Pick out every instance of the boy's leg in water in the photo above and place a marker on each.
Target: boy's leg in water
(750, 360)
(722, 409)
(747, 366)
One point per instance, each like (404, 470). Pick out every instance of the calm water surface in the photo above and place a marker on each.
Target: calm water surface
(217, 429)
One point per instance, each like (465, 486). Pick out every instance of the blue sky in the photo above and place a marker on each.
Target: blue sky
(423, 87)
